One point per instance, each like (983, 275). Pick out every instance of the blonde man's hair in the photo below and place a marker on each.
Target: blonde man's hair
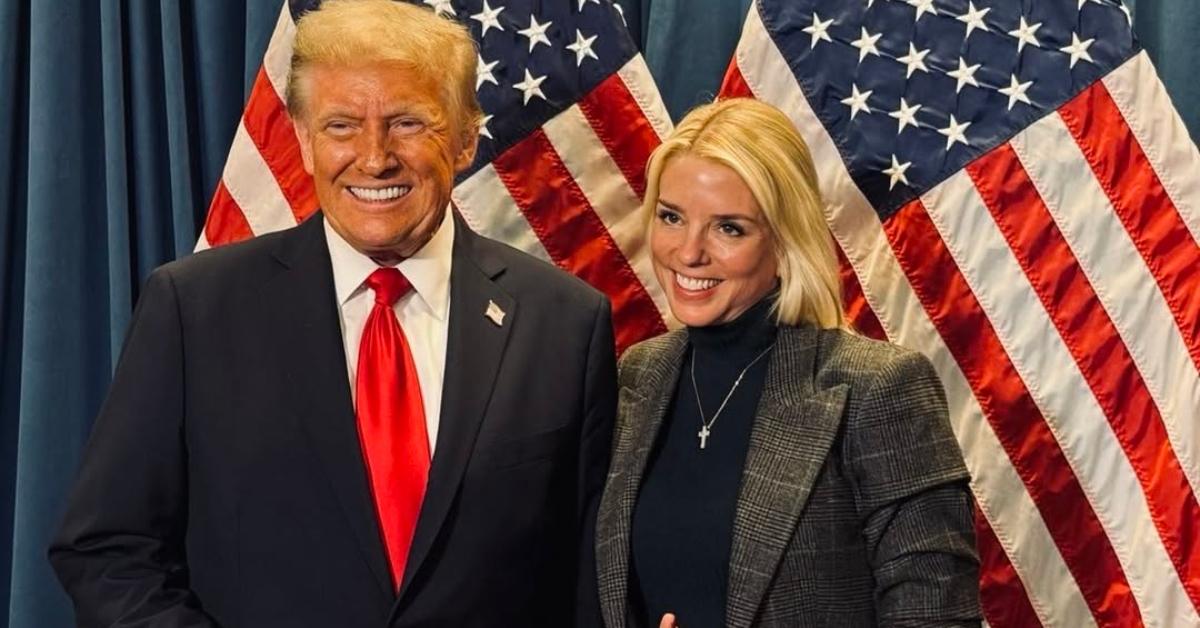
(760, 144)
(352, 32)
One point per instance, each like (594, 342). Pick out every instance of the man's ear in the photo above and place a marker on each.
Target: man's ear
(304, 138)
(466, 154)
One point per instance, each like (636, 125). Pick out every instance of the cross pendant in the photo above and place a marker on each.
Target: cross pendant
(703, 434)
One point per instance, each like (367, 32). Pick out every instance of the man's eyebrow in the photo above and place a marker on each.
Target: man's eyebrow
(337, 112)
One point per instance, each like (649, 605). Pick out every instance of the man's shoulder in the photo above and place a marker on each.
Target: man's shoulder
(230, 263)
(525, 274)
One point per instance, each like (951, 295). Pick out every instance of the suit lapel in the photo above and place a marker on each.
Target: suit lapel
(793, 430)
(305, 320)
(475, 345)
(640, 416)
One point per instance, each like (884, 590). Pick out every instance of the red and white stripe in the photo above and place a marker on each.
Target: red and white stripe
(250, 200)
(1062, 318)
(567, 193)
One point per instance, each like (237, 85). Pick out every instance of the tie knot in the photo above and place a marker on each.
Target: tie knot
(389, 285)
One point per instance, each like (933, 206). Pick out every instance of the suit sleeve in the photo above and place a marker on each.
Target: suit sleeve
(119, 552)
(600, 405)
(914, 500)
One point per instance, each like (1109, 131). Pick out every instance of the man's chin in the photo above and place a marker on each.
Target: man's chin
(391, 251)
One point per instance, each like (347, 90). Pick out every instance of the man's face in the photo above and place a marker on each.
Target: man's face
(383, 151)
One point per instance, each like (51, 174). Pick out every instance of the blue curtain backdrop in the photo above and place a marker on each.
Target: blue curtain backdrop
(114, 123)
(115, 118)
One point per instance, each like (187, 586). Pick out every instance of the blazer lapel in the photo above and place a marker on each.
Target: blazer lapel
(475, 345)
(309, 340)
(793, 431)
(640, 416)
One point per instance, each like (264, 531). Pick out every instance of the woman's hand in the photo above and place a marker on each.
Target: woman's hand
(668, 621)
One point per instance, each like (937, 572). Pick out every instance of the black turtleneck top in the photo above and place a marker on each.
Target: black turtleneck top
(683, 520)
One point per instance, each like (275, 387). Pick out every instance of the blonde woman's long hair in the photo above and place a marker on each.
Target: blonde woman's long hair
(760, 144)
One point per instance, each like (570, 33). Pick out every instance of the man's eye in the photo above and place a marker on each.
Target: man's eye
(338, 127)
(409, 126)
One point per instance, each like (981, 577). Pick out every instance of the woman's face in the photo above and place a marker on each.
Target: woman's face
(710, 243)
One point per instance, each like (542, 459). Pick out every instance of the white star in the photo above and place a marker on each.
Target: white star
(582, 48)
(955, 133)
(866, 44)
(973, 18)
(819, 30)
(1083, 2)
(906, 115)
(869, 3)
(1078, 50)
(483, 130)
(857, 101)
(441, 6)
(965, 75)
(1025, 34)
(915, 60)
(896, 172)
(536, 33)
(483, 73)
(531, 86)
(923, 7)
(487, 18)
(1016, 92)
(583, 2)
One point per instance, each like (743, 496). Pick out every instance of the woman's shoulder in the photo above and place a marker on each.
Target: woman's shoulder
(846, 357)
(638, 357)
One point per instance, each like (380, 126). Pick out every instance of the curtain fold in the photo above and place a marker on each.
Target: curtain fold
(688, 45)
(13, 80)
(121, 115)
(1167, 30)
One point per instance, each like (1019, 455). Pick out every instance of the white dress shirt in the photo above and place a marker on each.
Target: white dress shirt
(423, 313)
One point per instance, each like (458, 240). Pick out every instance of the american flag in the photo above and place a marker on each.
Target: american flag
(1015, 196)
(571, 116)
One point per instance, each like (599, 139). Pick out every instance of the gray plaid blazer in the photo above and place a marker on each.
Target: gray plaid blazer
(854, 508)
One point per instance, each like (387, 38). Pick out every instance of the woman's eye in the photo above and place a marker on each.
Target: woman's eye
(731, 229)
(668, 217)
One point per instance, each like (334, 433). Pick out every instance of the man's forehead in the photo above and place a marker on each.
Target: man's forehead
(394, 85)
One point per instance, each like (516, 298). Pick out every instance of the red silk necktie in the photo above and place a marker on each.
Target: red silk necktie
(391, 420)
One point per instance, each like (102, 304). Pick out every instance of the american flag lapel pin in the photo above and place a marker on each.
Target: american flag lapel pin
(494, 313)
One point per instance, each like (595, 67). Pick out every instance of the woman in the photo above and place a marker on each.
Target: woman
(769, 467)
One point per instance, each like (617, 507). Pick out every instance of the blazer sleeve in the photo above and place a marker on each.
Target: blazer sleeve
(913, 498)
(600, 406)
(119, 552)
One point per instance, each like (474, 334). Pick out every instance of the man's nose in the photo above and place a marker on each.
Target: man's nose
(376, 154)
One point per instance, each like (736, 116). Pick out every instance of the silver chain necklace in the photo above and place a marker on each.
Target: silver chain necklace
(706, 424)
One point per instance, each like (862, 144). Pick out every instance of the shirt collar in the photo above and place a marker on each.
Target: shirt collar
(428, 270)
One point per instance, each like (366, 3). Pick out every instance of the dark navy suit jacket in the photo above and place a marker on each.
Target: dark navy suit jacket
(224, 483)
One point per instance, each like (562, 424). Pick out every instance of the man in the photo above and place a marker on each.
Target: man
(295, 437)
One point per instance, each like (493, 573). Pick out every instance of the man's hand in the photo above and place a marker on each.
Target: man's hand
(668, 621)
